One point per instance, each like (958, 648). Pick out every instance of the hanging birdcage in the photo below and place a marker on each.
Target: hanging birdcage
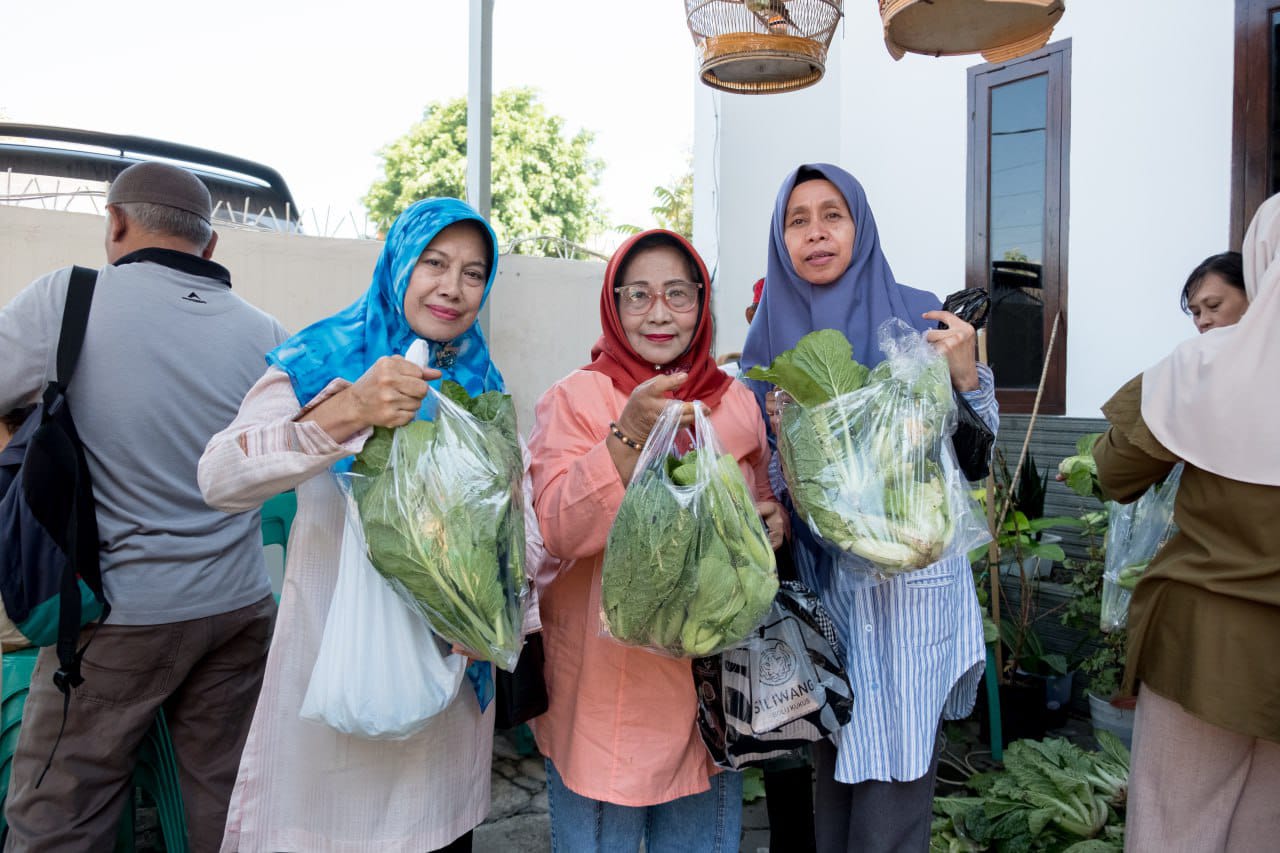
(760, 47)
(998, 29)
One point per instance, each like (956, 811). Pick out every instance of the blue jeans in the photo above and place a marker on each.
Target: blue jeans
(710, 822)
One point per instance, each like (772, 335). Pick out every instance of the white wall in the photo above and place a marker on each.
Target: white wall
(744, 146)
(1151, 87)
(543, 313)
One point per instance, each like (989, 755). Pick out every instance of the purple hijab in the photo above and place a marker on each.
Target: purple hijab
(856, 304)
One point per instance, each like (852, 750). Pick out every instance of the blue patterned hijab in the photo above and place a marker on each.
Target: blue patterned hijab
(348, 343)
(857, 303)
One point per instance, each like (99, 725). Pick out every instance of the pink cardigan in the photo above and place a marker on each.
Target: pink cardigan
(621, 726)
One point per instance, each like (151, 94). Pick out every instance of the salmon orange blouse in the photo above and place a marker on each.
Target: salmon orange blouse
(621, 726)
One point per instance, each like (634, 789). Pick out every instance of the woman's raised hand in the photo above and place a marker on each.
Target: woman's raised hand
(956, 343)
(647, 402)
(390, 392)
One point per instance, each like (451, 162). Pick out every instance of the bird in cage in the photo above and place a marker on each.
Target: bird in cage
(772, 13)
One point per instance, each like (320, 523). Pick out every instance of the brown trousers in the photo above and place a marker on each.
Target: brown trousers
(205, 673)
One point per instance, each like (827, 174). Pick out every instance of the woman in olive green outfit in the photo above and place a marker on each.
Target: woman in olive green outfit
(1204, 623)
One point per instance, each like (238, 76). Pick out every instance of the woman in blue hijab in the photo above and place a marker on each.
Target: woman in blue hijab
(914, 644)
(302, 785)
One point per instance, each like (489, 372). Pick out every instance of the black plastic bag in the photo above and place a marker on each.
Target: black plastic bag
(521, 695)
(781, 689)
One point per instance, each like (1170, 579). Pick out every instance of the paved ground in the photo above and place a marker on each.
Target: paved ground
(518, 821)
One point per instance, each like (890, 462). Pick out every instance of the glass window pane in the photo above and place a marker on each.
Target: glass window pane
(1019, 154)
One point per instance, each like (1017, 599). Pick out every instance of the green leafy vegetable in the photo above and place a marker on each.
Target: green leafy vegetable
(687, 568)
(1081, 471)
(441, 506)
(862, 450)
(1050, 796)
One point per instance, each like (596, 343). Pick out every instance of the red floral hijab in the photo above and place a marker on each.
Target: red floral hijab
(614, 357)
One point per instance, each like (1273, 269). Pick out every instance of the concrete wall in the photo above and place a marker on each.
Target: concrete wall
(543, 313)
(1151, 86)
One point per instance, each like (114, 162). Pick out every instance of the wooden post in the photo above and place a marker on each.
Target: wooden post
(1013, 485)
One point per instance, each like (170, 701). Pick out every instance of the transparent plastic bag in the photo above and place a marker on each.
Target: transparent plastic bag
(442, 505)
(687, 567)
(379, 673)
(1135, 534)
(873, 472)
(782, 688)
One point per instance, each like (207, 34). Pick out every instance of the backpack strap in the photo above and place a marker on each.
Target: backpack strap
(75, 319)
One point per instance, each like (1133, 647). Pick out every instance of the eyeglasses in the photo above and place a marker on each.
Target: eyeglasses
(680, 296)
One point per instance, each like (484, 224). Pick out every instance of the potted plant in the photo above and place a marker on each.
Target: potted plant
(1025, 543)
(1104, 665)
(1036, 684)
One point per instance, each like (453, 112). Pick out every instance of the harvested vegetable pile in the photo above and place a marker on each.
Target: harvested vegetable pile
(442, 510)
(687, 568)
(866, 453)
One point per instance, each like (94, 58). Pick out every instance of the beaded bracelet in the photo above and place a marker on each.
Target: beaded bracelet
(624, 438)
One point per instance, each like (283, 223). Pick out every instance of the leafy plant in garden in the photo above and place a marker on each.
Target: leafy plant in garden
(1051, 796)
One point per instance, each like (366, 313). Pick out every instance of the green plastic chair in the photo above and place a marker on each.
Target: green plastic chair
(156, 772)
(277, 519)
(17, 669)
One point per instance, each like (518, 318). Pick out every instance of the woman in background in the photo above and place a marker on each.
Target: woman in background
(1214, 294)
(1204, 621)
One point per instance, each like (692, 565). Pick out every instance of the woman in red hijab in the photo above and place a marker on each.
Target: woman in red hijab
(625, 761)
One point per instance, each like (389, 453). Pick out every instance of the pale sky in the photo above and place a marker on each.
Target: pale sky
(315, 89)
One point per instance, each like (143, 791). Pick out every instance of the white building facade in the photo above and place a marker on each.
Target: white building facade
(1099, 170)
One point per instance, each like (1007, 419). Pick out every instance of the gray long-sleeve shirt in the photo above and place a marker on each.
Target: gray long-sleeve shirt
(168, 355)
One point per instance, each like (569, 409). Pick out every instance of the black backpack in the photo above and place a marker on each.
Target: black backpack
(50, 577)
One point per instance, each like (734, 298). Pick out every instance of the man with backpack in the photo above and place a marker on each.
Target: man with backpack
(168, 353)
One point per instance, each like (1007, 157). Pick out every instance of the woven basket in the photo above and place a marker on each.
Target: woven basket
(762, 46)
(998, 29)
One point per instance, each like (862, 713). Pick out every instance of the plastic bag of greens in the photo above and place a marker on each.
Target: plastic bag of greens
(380, 673)
(442, 509)
(784, 687)
(867, 454)
(688, 569)
(1135, 534)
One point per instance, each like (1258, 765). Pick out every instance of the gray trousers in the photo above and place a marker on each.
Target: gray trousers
(871, 816)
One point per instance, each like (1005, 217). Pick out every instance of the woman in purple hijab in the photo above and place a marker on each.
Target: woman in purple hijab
(913, 645)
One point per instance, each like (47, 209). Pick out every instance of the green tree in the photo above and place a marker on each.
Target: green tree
(544, 182)
(673, 208)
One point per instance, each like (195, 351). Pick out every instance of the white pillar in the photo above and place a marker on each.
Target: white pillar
(480, 106)
(480, 116)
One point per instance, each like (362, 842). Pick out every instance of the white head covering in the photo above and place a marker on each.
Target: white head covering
(1215, 401)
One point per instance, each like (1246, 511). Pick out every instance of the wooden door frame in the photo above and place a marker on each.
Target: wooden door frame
(1055, 61)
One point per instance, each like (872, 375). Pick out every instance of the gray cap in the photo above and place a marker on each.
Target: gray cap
(162, 183)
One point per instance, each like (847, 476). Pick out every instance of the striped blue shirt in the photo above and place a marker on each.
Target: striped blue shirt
(913, 647)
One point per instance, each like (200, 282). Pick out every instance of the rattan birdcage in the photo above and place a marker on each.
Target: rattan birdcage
(761, 47)
(998, 29)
